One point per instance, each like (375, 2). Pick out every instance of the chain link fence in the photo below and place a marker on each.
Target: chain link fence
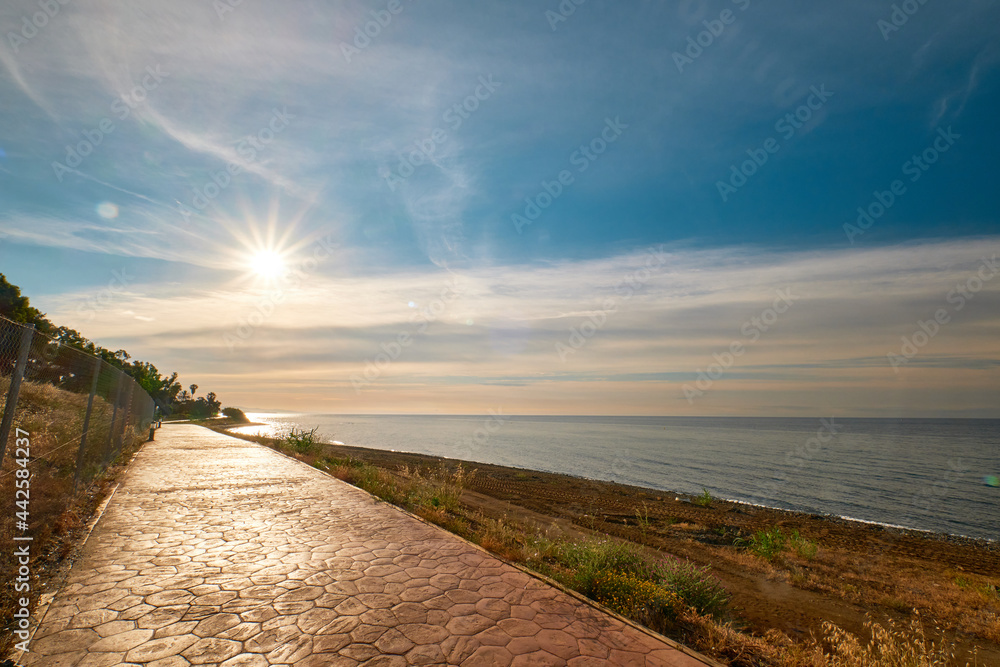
(67, 416)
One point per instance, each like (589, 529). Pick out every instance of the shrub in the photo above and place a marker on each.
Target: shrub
(695, 586)
(438, 489)
(581, 564)
(302, 442)
(599, 568)
(765, 543)
(235, 414)
(639, 599)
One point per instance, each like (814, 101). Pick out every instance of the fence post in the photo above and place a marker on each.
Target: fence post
(15, 387)
(86, 423)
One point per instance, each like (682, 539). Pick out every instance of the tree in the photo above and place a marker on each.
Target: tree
(57, 364)
(15, 307)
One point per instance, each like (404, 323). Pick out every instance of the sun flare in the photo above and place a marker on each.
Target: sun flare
(267, 264)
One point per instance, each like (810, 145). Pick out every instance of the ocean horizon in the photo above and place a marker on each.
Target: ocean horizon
(932, 474)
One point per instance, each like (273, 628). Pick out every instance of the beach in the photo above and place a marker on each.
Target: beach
(858, 568)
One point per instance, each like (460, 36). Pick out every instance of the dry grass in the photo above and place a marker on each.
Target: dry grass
(876, 578)
(888, 645)
(958, 602)
(54, 420)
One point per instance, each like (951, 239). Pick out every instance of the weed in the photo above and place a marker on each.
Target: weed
(705, 499)
(642, 519)
(764, 543)
(694, 585)
(302, 442)
(804, 548)
(985, 589)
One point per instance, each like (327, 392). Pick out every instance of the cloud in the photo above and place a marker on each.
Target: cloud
(851, 309)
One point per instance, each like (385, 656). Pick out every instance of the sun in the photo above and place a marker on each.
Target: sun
(267, 264)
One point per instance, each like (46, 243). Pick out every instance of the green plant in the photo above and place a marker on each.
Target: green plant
(642, 520)
(986, 590)
(639, 599)
(804, 548)
(438, 489)
(694, 585)
(302, 442)
(704, 500)
(765, 543)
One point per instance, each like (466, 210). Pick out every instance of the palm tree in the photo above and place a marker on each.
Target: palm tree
(193, 389)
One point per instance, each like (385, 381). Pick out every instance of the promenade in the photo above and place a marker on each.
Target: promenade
(217, 551)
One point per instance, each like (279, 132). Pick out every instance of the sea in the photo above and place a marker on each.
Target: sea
(938, 475)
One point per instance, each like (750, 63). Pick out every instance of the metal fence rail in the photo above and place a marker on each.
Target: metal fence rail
(67, 415)
(78, 409)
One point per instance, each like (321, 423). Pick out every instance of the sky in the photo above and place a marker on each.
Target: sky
(703, 207)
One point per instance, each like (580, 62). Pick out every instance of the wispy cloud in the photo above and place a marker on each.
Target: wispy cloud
(852, 309)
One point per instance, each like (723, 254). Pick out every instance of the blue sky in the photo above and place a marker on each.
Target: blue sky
(314, 122)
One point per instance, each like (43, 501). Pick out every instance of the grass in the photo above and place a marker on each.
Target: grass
(704, 500)
(642, 520)
(426, 491)
(54, 419)
(888, 645)
(769, 543)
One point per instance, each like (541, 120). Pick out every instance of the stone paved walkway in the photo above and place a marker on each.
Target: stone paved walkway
(218, 551)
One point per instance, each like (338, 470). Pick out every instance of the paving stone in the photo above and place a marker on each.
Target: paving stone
(121, 642)
(218, 551)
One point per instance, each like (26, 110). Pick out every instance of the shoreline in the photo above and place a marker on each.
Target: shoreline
(859, 570)
(680, 496)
